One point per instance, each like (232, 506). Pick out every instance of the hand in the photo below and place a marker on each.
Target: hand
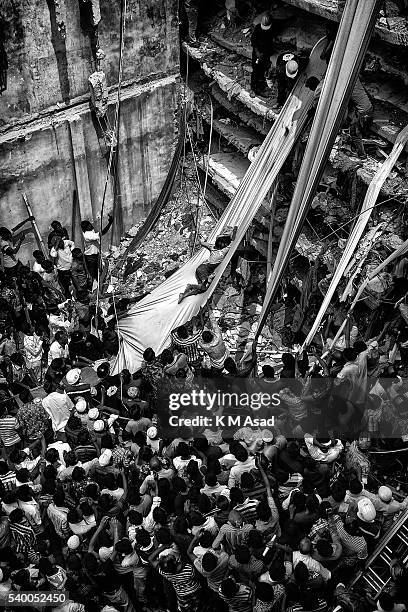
(104, 521)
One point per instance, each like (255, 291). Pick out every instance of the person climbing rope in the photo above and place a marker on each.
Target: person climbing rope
(205, 272)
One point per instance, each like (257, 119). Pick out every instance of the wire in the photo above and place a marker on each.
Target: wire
(197, 228)
(115, 135)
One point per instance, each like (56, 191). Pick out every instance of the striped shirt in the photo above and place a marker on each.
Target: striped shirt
(58, 517)
(217, 575)
(23, 536)
(352, 545)
(8, 433)
(184, 582)
(241, 602)
(233, 536)
(8, 481)
(189, 346)
(85, 452)
(321, 606)
(248, 510)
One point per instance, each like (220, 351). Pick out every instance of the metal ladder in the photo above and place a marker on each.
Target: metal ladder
(394, 545)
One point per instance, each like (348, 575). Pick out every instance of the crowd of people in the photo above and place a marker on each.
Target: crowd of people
(97, 503)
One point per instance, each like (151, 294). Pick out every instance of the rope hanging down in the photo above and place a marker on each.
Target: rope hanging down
(123, 10)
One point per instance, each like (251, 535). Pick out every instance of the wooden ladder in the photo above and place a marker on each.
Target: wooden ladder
(377, 570)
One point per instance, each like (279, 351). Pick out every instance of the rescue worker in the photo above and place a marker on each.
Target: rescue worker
(288, 67)
(263, 45)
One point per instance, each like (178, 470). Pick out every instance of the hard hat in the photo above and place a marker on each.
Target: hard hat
(99, 425)
(385, 494)
(366, 511)
(73, 376)
(80, 404)
(73, 542)
(93, 413)
(266, 22)
(151, 433)
(292, 68)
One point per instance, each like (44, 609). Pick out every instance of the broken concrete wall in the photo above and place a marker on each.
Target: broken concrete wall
(51, 161)
(50, 142)
(50, 66)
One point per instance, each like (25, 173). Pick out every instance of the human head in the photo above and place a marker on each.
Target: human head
(350, 354)
(268, 371)
(207, 336)
(385, 602)
(86, 226)
(149, 355)
(266, 22)
(229, 587)
(292, 69)
(305, 546)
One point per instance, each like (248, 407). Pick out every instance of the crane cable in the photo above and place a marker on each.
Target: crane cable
(115, 137)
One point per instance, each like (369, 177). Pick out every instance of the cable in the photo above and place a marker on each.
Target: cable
(197, 229)
(114, 136)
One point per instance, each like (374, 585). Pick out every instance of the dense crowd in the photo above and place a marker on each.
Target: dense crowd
(97, 503)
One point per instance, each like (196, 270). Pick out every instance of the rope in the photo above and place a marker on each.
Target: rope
(123, 11)
(197, 229)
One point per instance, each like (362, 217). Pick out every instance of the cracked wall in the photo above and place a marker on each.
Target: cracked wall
(50, 142)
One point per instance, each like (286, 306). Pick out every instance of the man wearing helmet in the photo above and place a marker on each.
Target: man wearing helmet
(263, 46)
(288, 67)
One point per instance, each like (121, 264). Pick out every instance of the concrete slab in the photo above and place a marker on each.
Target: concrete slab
(389, 119)
(393, 30)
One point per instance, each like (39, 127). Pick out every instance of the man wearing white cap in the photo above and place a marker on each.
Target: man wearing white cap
(288, 67)
(263, 46)
(370, 528)
(388, 506)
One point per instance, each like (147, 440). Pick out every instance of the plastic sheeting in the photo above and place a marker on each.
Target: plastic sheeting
(358, 229)
(151, 320)
(356, 26)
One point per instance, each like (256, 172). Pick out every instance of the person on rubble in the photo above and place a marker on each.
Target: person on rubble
(205, 271)
(288, 67)
(56, 231)
(191, 10)
(91, 245)
(263, 46)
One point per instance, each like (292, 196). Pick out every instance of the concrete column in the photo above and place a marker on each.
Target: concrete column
(84, 201)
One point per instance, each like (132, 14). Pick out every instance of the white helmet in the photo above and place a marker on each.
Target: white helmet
(366, 511)
(385, 494)
(73, 376)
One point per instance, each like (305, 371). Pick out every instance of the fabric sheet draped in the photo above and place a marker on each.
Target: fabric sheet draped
(151, 320)
(357, 23)
(359, 227)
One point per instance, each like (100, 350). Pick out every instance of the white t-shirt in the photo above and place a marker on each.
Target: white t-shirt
(91, 242)
(57, 351)
(64, 256)
(58, 406)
